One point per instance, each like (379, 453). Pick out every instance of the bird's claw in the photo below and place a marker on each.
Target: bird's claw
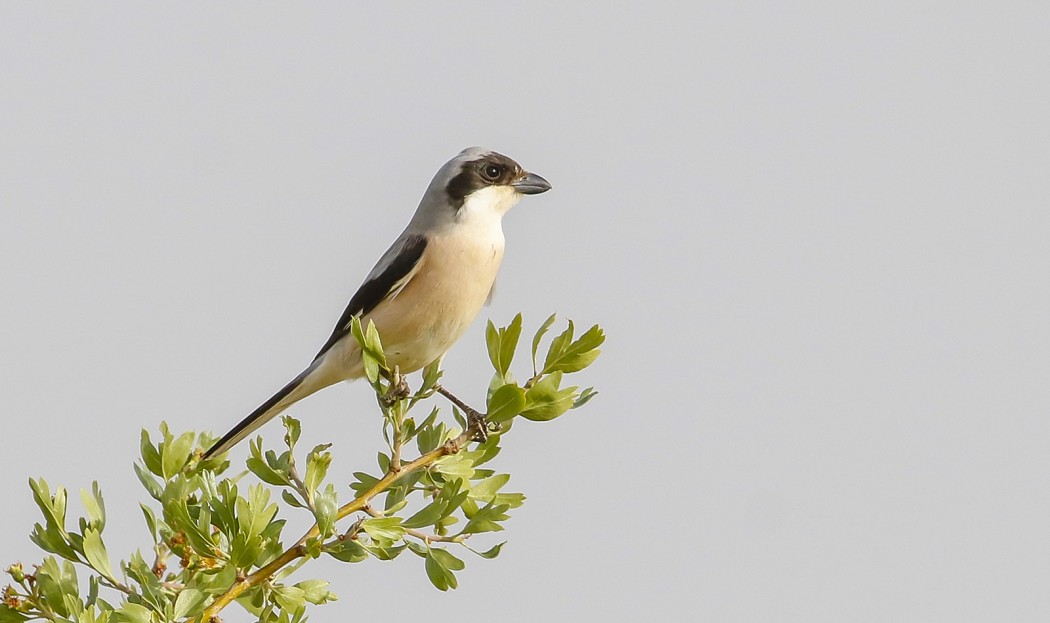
(399, 390)
(481, 425)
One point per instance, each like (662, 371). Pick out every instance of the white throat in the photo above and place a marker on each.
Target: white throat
(491, 202)
(480, 218)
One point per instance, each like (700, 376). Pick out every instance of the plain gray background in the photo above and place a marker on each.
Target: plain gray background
(816, 234)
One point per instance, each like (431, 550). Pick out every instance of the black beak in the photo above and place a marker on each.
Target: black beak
(531, 184)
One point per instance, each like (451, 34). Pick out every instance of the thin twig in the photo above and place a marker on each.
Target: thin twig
(464, 407)
(300, 486)
(398, 421)
(114, 584)
(475, 419)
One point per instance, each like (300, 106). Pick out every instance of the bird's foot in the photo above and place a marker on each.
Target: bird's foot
(399, 389)
(476, 420)
(479, 423)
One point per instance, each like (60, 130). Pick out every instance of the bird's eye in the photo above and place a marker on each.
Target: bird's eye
(493, 171)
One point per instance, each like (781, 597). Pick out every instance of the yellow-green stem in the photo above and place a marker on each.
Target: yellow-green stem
(299, 549)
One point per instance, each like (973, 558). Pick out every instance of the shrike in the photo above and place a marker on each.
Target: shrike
(429, 285)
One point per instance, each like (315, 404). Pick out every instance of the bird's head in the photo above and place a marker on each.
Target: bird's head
(476, 184)
(484, 176)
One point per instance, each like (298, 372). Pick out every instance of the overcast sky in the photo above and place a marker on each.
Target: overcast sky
(817, 236)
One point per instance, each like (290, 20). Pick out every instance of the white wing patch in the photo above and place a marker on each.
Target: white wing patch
(400, 284)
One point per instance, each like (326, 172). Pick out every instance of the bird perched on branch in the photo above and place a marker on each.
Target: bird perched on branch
(428, 286)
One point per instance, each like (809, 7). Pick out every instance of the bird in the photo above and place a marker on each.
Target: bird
(428, 287)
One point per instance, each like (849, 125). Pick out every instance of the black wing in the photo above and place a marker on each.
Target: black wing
(397, 264)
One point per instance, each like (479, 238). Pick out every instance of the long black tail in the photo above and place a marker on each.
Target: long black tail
(300, 387)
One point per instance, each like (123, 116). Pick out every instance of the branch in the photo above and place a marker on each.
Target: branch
(297, 480)
(464, 407)
(360, 503)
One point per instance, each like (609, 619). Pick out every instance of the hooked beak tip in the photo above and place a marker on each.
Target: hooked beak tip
(531, 184)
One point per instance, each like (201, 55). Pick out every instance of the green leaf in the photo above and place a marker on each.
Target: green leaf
(260, 467)
(92, 596)
(177, 515)
(492, 343)
(174, 455)
(460, 419)
(317, 463)
(490, 553)
(545, 401)
(291, 598)
(486, 489)
(575, 356)
(152, 593)
(447, 560)
(50, 541)
(592, 338)
(385, 530)
(189, 602)
(371, 349)
(150, 455)
(487, 519)
(539, 336)
(454, 465)
(364, 483)
(223, 507)
(52, 537)
(347, 551)
(148, 482)
(502, 343)
(439, 576)
(395, 499)
(418, 549)
(373, 343)
(54, 582)
(52, 506)
(326, 509)
(368, 359)
(216, 581)
(431, 375)
(574, 362)
(453, 495)
(505, 403)
(558, 346)
(151, 522)
(94, 506)
(292, 431)
(254, 516)
(316, 591)
(430, 437)
(386, 552)
(290, 499)
(486, 450)
(428, 515)
(511, 500)
(9, 615)
(95, 552)
(509, 344)
(584, 397)
(130, 612)
(260, 511)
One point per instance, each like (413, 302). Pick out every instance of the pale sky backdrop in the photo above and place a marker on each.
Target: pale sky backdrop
(817, 235)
